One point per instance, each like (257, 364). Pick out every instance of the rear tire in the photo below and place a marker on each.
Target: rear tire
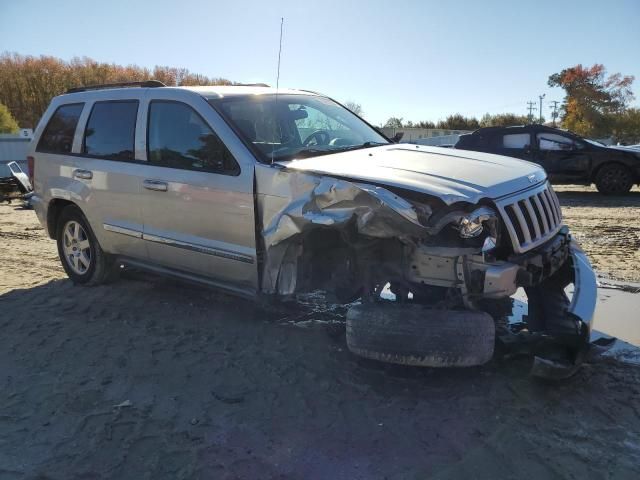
(81, 256)
(414, 335)
(614, 179)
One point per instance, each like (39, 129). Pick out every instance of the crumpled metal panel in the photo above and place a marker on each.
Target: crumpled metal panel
(291, 203)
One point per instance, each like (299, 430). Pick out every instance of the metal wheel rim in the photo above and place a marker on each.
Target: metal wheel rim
(615, 179)
(76, 247)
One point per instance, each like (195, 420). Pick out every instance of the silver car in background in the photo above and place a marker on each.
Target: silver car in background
(273, 193)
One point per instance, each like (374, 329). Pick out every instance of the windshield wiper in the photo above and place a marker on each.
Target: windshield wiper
(364, 145)
(304, 153)
(315, 152)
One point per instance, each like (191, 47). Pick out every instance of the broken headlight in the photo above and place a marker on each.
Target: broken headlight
(482, 219)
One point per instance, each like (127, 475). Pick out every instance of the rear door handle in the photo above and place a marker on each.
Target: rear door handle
(83, 174)
(155, 185)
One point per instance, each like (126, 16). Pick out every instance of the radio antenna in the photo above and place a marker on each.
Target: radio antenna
(277, 88)
(279, 54)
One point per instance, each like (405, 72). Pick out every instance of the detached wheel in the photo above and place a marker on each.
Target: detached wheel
(80, 253)
(415, 335)
(614, 179)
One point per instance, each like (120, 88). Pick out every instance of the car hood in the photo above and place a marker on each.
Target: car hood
(621, 148)
(451, 175)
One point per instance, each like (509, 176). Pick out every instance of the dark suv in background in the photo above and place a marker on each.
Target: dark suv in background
(566, 157)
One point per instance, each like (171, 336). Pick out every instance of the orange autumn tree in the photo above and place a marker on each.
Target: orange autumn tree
(593, 100)
(28, 83)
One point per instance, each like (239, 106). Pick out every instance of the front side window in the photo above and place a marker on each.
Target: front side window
(518, 141)
(59, 132)
(283, 127)
(111, 130)
(178, 137)
(552, 141)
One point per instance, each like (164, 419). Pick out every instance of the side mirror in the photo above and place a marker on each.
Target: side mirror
(397, 137)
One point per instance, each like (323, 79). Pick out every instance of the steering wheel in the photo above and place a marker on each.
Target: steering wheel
(322, 137)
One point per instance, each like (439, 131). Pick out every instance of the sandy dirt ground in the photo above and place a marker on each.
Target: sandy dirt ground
(608, 229)
(148, 378)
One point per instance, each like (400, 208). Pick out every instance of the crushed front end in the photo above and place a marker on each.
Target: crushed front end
(357, 241)
(524, 244)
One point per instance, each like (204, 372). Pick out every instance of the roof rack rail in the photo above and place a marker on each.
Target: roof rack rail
(145, 84)
(252, 85)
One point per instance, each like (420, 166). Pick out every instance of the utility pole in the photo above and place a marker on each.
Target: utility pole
(554, 113)
(541, 97)
(531, 107)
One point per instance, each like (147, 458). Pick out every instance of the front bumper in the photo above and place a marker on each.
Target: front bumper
(585, 290)
(581, 310)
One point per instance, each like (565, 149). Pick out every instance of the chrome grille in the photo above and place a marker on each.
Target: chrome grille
(531, 217)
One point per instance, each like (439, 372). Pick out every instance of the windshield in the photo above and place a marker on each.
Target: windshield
(296, 126)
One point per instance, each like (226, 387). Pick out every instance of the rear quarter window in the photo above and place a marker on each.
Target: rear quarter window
(59, 132)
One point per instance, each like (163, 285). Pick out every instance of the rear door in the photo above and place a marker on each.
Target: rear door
(198, 203)
(564, 157)
(107, 169)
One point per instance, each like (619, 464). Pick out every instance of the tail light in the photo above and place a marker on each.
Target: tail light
(31, 167)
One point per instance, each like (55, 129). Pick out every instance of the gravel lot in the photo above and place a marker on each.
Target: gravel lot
(147, 378)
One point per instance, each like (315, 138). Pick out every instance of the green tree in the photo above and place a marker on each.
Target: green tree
(592, 99)
(458, 122)
(425, 124)
(503, 120)
(7, 123)
(626, 126)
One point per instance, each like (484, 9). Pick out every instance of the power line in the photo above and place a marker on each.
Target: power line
(540, 111)
(531, 106)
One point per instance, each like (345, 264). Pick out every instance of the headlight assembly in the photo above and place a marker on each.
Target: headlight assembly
(473, 224)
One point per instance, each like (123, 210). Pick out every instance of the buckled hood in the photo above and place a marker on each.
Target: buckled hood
(449, 174)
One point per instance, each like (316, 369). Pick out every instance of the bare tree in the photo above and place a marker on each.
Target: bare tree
(354, 107)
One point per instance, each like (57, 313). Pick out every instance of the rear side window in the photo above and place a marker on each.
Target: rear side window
(111, 130)
(179, 138)
(516, 140)
(58, 134)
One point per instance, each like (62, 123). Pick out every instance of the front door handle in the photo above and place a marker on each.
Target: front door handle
(83, 174)
(155, 185)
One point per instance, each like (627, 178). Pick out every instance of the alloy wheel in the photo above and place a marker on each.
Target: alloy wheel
(76, 247)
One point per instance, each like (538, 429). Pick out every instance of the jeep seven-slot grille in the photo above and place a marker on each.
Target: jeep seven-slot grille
(531, 217)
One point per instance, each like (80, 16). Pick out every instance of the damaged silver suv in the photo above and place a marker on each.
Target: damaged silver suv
(269, 193)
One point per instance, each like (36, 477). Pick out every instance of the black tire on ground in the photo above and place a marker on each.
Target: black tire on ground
(101, 268)
(614, 179)
(414, 335)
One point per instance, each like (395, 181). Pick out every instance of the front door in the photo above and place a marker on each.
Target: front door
(198, 204)
(564, 158)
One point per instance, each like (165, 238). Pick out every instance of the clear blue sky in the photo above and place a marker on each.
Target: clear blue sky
(412, 59)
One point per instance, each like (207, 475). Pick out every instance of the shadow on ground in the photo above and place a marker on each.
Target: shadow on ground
(152, 379)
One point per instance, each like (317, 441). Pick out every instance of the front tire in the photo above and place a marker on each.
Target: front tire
(614, 179)
(81, 256)
(415, 335)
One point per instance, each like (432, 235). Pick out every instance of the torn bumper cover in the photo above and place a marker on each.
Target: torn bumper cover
(581, 310)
